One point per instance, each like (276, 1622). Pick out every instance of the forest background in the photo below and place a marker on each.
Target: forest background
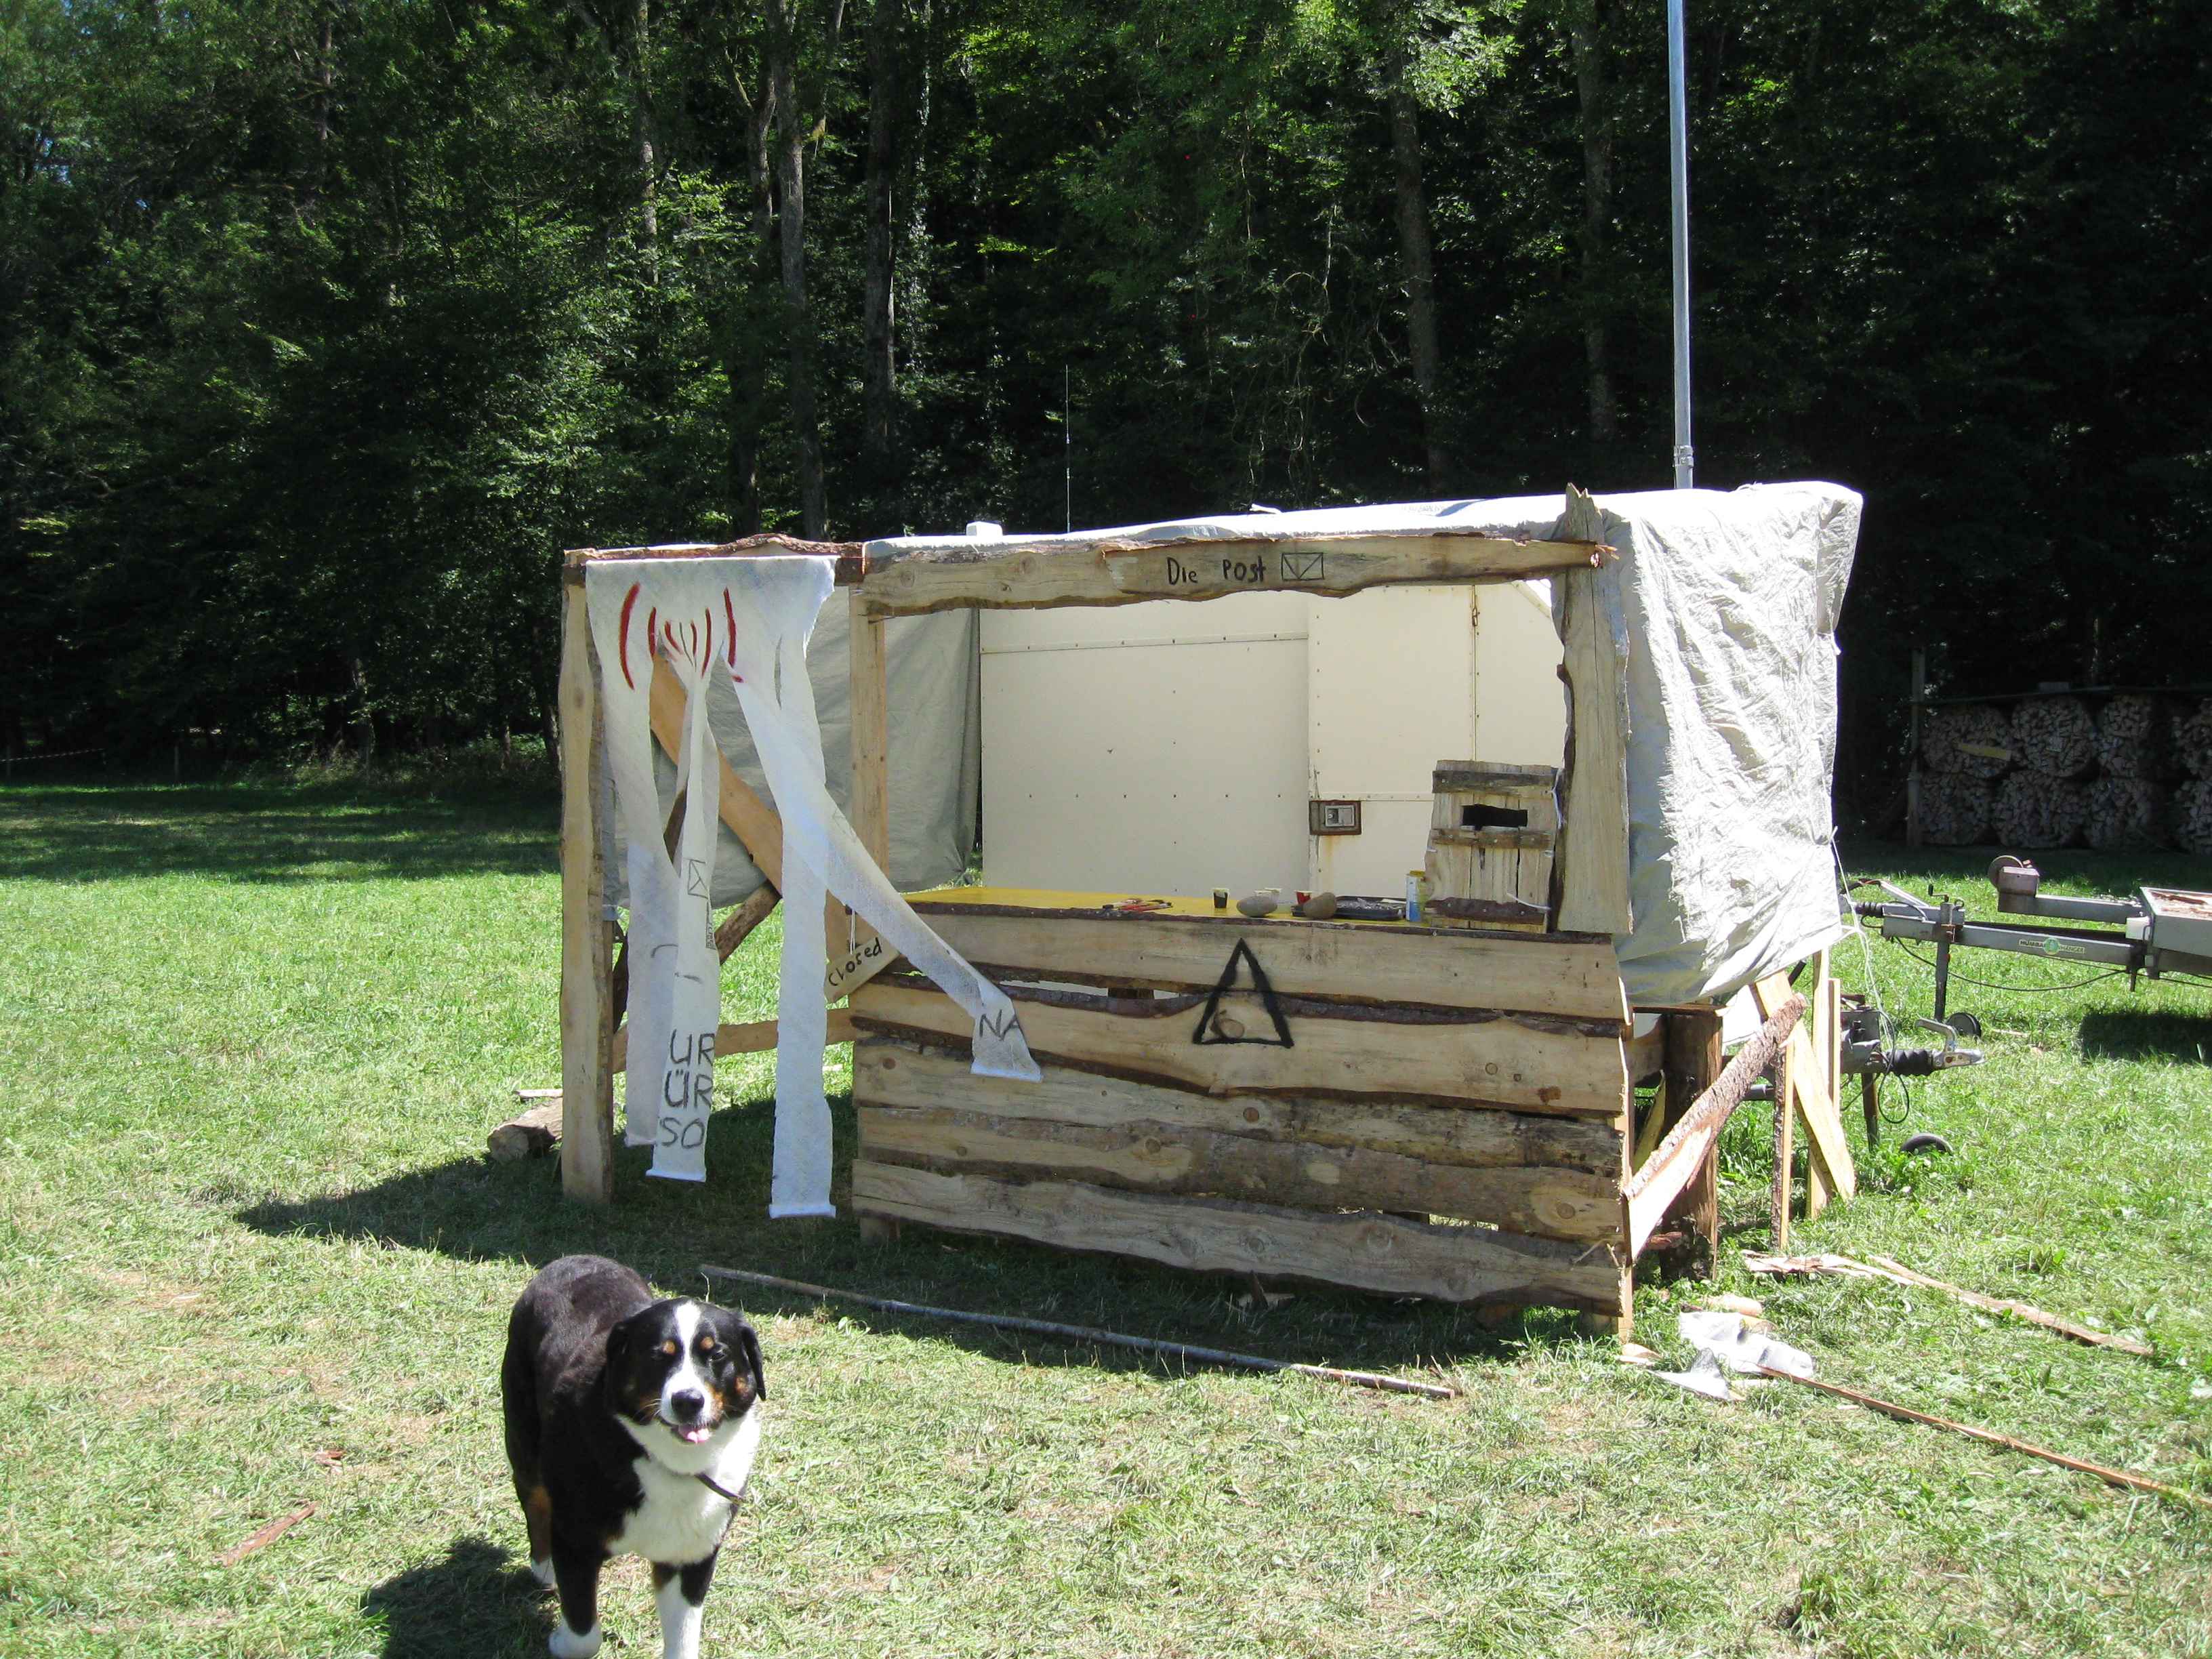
(325, 324)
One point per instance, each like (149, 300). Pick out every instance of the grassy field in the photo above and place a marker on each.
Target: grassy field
(251, 1258)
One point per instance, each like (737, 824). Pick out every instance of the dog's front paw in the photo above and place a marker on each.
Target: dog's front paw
(543, 1571)
(566, 1644)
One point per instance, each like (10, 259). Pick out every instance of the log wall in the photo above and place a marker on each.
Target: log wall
(1470, 1147)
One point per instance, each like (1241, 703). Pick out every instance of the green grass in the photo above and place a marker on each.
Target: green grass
(254, 1038)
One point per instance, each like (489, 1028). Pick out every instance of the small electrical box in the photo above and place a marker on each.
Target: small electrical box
(1333, 817)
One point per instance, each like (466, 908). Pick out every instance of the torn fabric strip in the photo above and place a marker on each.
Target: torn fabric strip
(757, 615)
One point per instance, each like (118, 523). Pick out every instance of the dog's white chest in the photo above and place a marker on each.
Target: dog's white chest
(682, 1520)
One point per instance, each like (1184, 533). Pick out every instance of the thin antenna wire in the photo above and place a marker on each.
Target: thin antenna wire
(1067, 443)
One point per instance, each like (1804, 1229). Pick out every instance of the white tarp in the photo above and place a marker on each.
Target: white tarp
(1727, 603)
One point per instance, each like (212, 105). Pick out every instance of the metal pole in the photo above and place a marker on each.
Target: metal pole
(1678, 145)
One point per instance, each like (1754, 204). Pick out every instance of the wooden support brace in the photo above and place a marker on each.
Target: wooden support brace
(1693, 1064)
(1812, 1094)
(1648, 1195)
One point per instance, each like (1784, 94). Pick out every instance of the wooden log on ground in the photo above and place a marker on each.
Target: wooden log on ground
(536, 1132)
(1364, 1250)
(1971, 738)
(2191, 732)
(2127, 814)
(2055, 735)
(1954, 809)
(2191, 817)
(2033, 810)
(2134, 738)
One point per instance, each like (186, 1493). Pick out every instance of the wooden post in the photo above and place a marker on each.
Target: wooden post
(872, 816)
(587, 1109)
(1590, 872)
(1779, 1201)
(1693, 1061)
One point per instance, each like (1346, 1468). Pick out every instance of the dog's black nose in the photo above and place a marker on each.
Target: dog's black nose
(686, 1404)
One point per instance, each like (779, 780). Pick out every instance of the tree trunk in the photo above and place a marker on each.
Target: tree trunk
(791, 239)
(879, 431)
(648, 182)
(1419, 255)
(745, 332)
(1586, 28)
(311, 194)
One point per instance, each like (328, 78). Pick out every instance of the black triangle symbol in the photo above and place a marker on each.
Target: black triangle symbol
(1209, 1031)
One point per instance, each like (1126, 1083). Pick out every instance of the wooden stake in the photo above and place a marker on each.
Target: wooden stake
(1081, 1333)
(1989, 1437)
(1778, 1199)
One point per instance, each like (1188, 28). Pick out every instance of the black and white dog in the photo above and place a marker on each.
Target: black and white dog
(631, 1426)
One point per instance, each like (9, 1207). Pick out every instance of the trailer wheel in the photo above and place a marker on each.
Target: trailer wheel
(1924, 1143)
(1965, 1025)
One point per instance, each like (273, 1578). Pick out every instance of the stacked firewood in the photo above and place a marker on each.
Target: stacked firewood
(2059, 771)
(2192, 817)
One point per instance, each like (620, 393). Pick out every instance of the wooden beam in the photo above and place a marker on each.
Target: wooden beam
(587, 1136)
(851, 557)
(1521, 1063)
(1592, 865)
(1354, 961)
(887, 1072)
(738, 923)
(753, 1037)
(526, 1135)
(1031, 575)
(1365, 1250)
(1777, 1205)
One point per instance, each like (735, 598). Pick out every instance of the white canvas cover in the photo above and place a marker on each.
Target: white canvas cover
(1725, 603)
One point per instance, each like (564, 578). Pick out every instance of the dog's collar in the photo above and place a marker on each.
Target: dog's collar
(718, 1488)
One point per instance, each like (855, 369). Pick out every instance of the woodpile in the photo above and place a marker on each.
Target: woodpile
(2131, 739)
(2057, 770)
(2055, 735)
(2033, 809)
(2192, 817)
(1954, 809)
(2192, 739)
(1973, 740)
(2126, 815)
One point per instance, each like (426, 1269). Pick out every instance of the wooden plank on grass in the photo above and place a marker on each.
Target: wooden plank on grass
(1364, 1250)
(1176, 1157)
(1521, 1062)
(888, 1072)
(1363, 962)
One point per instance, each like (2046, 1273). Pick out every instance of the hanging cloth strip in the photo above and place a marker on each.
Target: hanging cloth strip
(752, 618)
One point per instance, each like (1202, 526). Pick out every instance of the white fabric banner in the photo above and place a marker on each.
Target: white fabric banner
(742, 636)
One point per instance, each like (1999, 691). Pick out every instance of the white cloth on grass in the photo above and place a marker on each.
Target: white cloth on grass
(754, 617)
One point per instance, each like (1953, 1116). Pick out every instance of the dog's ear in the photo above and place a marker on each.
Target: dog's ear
(750, 1342)
(617, 1345)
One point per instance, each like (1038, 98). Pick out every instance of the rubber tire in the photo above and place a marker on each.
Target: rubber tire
(1965, 1025)
(1924, 1142)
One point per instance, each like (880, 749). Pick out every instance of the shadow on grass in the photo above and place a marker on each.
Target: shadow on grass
(272, 833)
(478, 1600)
(2142, 1034)
(479, 1210)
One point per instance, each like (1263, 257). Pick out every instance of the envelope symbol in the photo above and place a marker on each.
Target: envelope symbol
(1302, 567)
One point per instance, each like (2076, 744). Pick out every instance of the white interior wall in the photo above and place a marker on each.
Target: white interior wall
(1171, 747)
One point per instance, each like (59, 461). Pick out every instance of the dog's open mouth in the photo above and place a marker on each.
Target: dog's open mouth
(691, 1434)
